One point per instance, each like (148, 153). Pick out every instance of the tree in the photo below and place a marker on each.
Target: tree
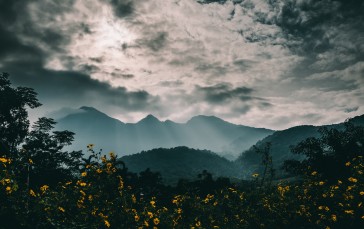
(14, 123)
(328, 154)
(267, 163)
(43, 149)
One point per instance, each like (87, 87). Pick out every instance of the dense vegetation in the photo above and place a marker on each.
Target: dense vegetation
(44, 186)
(181, 162)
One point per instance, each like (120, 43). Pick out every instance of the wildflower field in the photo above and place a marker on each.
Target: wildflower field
(99, 197)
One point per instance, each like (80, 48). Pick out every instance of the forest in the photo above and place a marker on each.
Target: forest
(42, 185)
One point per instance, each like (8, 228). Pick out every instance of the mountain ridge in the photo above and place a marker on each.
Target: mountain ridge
(282, 140)
(200, 132)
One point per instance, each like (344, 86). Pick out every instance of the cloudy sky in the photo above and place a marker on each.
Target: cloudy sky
(266, 63)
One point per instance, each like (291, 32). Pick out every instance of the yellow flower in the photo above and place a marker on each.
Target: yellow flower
(321, 183)
(84, 174)
(83, 184)
(255, 175)
(8, 189)
(179, 211)
(99, 171)
(136, 218)
(334, 218)
(352, 179)
(348, 163)
(146, 224)
(361, 193)
(150, 215)
(156, 221)
(44, 188)
(61, 209)
(107, 224)
(314, 173)
(31, 192)
(198, 224)
(30, 161)
(349, 212)
(3, 160)
(152, 203)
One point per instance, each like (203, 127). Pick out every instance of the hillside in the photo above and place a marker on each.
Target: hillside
(181, 162)
(281, 141)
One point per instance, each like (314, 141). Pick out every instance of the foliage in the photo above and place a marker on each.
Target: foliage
(181, 162)
(43, 152)
(14, 121)
(326, 153)
(99, 198)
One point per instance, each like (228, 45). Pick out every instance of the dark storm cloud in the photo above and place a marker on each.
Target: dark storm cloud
(10, 45)
(175, 83)
(89, 68)
(96, 59)
(158, 42)
(218, 1)
(349, 110)
(12, 48)
(214, 69)
(119, 75)
(76, 88)
(324, 25)
(211, 1)
(155, 41)
(222, 93)
(122, 8)
(16, 25)
(25, 62)
(243, 65)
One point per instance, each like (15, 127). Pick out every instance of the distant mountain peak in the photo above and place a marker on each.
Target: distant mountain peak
(86, 108)
(149, 119)
(206, 118)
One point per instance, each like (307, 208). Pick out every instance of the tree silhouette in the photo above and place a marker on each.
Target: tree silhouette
(328, 154)
(14, 121)
(43, 149)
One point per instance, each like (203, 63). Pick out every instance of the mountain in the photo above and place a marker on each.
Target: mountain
(281, 141)
(200, 132)
(181, 163)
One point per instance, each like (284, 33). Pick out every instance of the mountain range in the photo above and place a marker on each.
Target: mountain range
(183, 150)
(200, 132)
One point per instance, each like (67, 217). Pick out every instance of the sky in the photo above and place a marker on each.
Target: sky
(262, 63)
